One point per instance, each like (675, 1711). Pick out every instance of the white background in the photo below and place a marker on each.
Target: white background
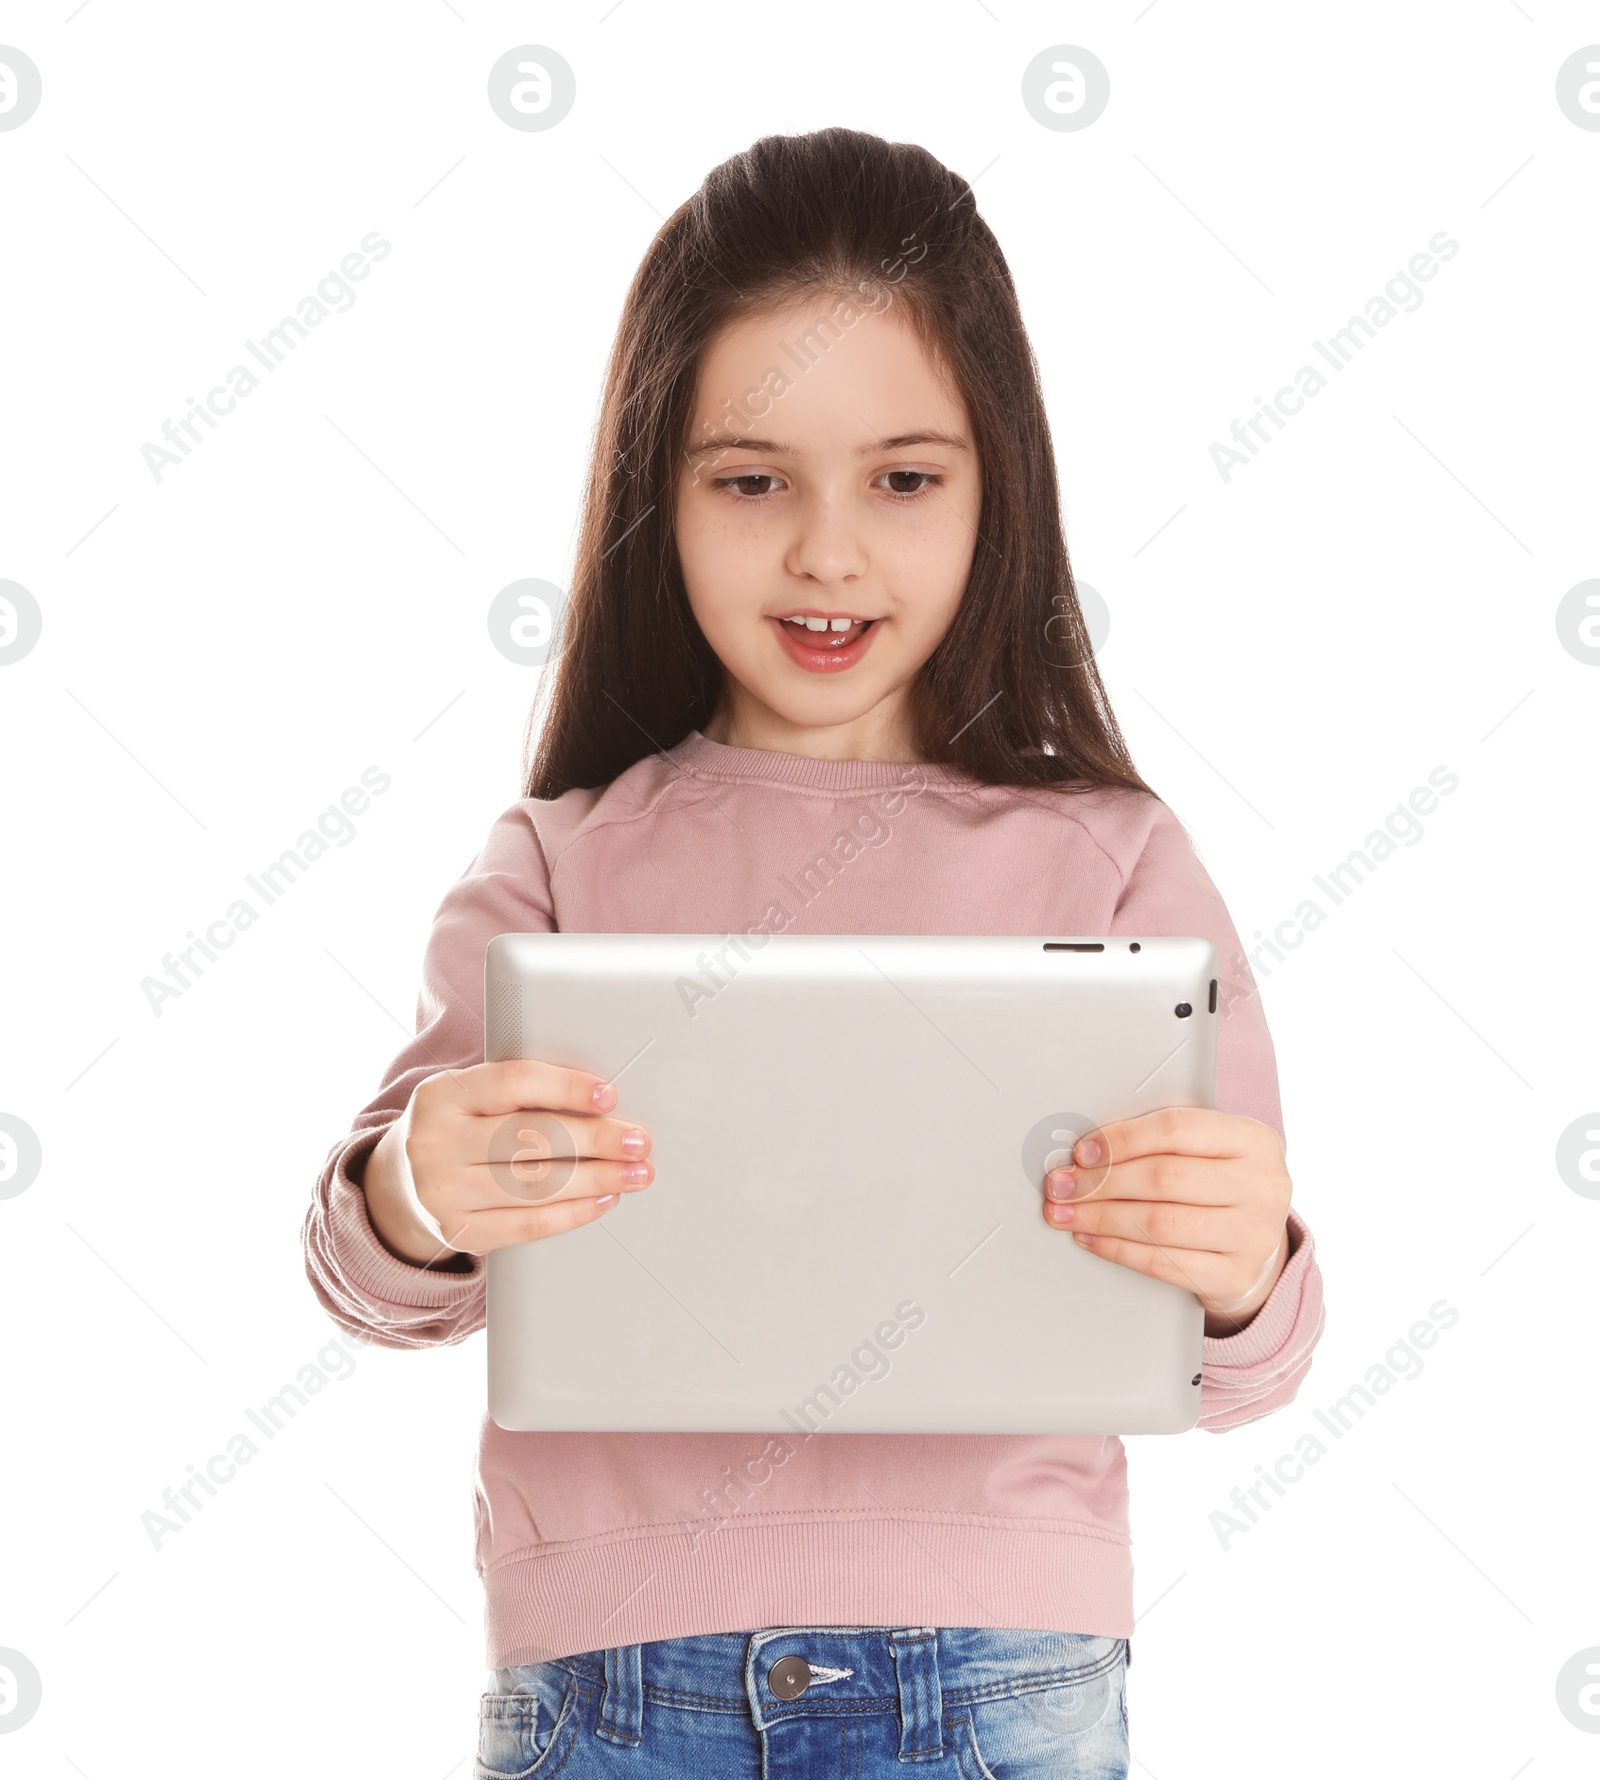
(225, 650)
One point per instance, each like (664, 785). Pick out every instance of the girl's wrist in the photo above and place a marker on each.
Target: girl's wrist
(389, 1210)
(1222, 1323)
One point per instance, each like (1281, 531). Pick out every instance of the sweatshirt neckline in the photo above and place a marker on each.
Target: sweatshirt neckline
(697, 753)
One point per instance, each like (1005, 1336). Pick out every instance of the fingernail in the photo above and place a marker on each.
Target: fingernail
(636, 1172)
(1089, 1152)
(1059, 1214)
(607, 1199)
(636, 1140)
(605, 1095)
(1060, 1184)
(1084, 1237)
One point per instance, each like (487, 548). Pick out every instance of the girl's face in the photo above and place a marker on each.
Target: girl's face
(830, 474)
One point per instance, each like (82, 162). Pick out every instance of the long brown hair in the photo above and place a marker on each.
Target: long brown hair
(1011, 694)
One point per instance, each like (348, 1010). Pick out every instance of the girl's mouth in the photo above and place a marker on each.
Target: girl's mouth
(826, 651)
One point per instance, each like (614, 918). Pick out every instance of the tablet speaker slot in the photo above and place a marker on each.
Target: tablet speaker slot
(1068, 945)
(1212, 1005)
(505, 1007)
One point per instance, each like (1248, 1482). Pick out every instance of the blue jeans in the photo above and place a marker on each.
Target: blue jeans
(788, 1703)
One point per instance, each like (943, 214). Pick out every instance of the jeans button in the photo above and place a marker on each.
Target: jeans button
(789, 1677)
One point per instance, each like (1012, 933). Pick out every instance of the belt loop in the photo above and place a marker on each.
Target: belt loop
(916, 1666)
(622, 1704)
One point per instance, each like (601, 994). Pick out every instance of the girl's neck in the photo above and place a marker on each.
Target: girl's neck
(879, 735)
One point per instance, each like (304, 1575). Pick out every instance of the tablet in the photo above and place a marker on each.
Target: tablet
(850, 1135)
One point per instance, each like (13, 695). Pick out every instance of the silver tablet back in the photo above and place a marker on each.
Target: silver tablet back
(850, 1136)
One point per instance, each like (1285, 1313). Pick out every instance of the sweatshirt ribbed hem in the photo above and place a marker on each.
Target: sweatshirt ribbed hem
(542, 1605)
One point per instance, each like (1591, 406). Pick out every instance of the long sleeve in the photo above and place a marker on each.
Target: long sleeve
(370, 1293)
(1246, 1375)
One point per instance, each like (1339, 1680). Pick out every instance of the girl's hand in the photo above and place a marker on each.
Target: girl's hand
(500, 1153)
(1190, 1195)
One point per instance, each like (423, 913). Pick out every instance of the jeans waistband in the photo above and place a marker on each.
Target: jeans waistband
(914, 1670)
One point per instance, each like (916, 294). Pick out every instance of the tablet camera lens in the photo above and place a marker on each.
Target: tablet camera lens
(1183, 1010)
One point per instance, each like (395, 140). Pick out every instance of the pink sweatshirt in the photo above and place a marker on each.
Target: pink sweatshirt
(590, 1540)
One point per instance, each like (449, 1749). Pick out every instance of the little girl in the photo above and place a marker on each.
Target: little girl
(821, 580)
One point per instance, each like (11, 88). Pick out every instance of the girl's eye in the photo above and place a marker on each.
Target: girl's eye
(747, 494)
(741, 489)
(927, 477)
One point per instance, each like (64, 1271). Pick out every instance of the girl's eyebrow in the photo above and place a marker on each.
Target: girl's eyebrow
(733, 442)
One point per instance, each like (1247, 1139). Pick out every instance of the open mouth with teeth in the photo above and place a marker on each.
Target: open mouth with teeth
(826, 633)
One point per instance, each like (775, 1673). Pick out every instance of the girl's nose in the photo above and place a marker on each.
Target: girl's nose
(828, 546)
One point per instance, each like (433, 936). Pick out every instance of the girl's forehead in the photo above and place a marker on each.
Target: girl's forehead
(813, 322)
(812, 361)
